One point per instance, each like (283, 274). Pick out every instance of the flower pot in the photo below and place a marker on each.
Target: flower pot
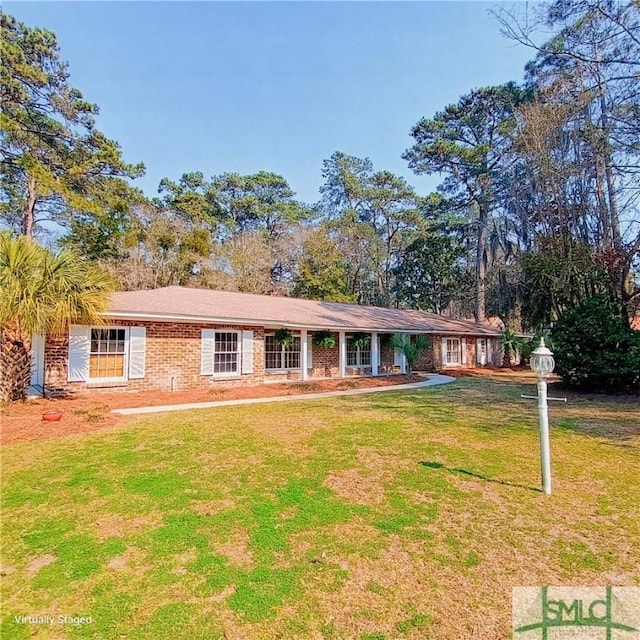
(52, 415)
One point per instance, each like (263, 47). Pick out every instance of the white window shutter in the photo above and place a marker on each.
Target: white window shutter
(397, 358)
(463, 344)
(206, 356)
(137, 349)
(309, 351)
(444, 351)
(247, 352)
(79, 338)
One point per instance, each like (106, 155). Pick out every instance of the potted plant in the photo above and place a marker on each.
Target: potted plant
(283, 336)
(361, 340)
(324, 340)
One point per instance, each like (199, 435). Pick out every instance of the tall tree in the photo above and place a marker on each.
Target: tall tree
(380, 209)
(468, 142)
(589, 73)
(40, 293)
(54, 160)
(232, 203)
(234, 208)
(151, 247)
(323, 272)
(429, 276)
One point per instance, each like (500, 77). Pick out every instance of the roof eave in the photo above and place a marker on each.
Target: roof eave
(274, 324)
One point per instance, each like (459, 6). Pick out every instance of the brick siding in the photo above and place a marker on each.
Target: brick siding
(173, 360)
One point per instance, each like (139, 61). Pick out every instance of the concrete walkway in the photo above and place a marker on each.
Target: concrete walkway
(432, 380)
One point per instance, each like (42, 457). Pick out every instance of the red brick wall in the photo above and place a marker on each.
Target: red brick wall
(494, 352)
(426, 360)
(172, 360)
(326, 362)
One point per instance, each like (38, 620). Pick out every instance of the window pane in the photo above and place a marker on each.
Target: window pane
(292, 360)
(106, 355)
(453, 351)
(273, 360)
(280, 356)
(225, 358)
(352, 353)
(358, 356)
(273, 353)
(225, 363)
(106, 366)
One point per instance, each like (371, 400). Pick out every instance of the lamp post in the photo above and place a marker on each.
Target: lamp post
(542, 364)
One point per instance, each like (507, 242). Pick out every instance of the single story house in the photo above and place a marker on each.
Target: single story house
(178, 338)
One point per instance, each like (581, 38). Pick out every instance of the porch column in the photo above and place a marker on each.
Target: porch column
(304, 354)
(342, 352)
(403, 358)
(375, 354)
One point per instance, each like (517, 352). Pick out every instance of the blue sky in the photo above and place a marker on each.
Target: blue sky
(275, 86)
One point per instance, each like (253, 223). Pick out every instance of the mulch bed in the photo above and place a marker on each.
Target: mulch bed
(87, 412)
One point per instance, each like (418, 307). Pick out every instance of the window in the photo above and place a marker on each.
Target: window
(281, 356)
(107, 353)
(225, 352)
(482, 351)
(357, 355)
(453, 351)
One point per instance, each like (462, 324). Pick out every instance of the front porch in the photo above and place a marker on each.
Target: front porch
(323, 355)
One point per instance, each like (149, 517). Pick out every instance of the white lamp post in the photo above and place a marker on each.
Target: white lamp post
(542, 364)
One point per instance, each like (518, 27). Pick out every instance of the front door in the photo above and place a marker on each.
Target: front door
(37, 366)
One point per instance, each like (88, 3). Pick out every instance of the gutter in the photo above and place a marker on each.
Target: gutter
(272, 324)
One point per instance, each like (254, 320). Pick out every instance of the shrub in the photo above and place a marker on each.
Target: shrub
(410, 348)
(596, 349)
(512, 345)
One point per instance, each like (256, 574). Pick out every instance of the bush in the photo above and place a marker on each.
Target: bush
(411, 349)
(596, 349)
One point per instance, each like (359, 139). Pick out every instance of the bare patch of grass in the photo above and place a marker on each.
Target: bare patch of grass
(401, 515)
(111, 525)
(352, 486)
(212, 507)
(40, 562)
(236, 549)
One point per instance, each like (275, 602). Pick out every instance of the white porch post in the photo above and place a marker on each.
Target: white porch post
(403, 361)
(375, 354)
(342, 353)
(304, 353)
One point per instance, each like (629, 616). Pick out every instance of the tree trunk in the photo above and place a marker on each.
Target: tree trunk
(480, 312)
(29, 206)
(614, 219)
(602, 204)
(15, 368)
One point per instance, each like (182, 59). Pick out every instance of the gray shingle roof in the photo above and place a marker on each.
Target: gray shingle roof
(206, 305)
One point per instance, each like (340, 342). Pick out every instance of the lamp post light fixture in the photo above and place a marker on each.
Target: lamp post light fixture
(542, 364)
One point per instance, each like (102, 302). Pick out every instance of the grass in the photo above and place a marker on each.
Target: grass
(394, 515)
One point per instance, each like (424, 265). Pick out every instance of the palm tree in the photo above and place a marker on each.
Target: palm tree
(410, 348)
(512, 344)
(41, 293)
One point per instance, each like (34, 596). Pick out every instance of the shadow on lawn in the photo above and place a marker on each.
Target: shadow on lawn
(465, 472)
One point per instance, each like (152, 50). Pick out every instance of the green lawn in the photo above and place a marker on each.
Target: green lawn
(390, 515)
